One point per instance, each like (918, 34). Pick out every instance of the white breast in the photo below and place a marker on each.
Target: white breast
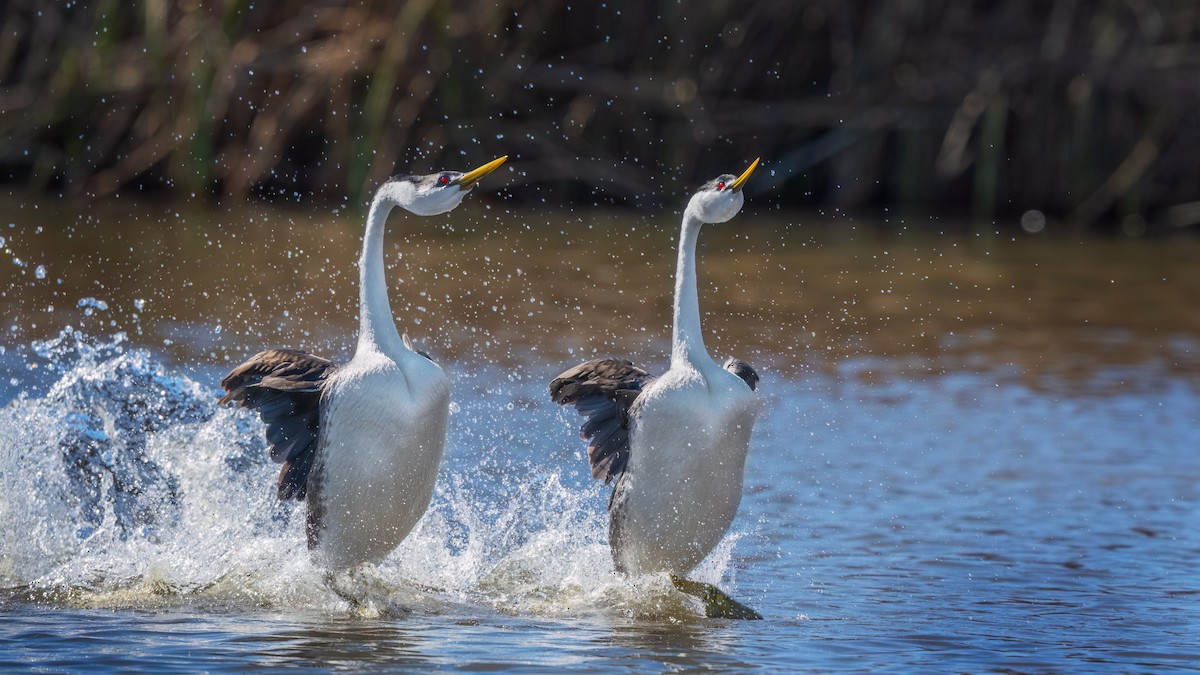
(383, 430)
(683, 485)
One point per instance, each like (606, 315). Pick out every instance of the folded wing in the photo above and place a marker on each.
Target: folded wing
(742, 370)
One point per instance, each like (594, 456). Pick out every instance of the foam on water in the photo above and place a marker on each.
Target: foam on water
(125, 485)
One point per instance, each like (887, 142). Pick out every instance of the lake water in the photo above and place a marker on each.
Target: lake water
(978, 452)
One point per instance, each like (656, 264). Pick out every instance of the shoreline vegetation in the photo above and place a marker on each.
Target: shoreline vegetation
(1080, 113)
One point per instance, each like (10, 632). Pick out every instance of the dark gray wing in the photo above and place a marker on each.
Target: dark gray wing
(742, 370)
(285, 387)
(602, 390)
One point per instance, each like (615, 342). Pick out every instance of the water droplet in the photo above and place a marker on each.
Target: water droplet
(1033, 221)
(91, 305)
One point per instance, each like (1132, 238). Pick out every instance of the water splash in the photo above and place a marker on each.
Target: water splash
(125, 485)
(109, 477)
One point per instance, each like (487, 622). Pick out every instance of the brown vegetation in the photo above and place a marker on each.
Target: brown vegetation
(1086, 111)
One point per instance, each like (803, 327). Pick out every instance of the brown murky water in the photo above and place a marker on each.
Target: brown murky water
(519, 288)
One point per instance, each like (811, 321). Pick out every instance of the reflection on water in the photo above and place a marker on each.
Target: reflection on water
(336, 644)
(266, 639)
(975, 452)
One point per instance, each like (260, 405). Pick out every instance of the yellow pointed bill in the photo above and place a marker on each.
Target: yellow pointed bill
(471, 177)
(741, 180)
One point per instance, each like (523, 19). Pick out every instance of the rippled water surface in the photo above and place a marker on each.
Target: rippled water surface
(977, 452)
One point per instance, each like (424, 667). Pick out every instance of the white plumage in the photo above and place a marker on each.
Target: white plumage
(688, 442)
(384, 430)
(361, 443)
(676, 444)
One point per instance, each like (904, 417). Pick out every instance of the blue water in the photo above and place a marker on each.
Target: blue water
(956, 519)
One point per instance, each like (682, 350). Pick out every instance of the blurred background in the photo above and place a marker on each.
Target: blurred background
(1038, 114)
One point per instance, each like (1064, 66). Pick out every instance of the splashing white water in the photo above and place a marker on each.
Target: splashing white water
(125, 485)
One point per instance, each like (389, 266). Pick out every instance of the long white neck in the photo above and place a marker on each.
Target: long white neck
(687, 341)
(377, 328)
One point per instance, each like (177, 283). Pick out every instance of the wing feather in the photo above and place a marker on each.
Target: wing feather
(603, 390)
(284, 386)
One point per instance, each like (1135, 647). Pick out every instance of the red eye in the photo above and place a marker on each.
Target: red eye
(444, 180)
(721, 185)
